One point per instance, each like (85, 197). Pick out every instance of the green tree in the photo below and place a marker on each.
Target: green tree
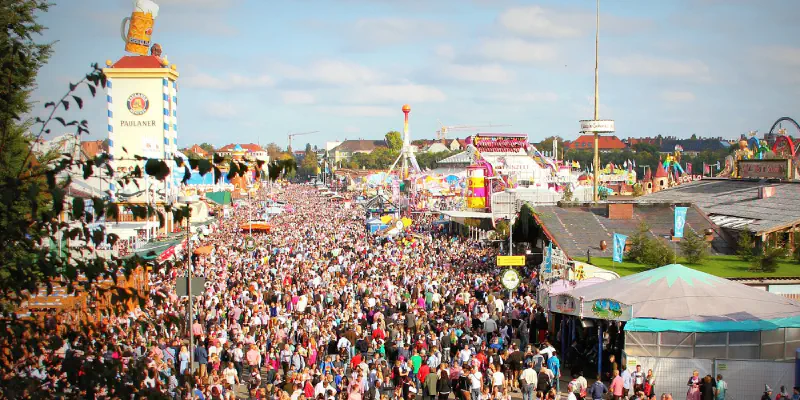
(638, 242)
(694, 247)
(645, 148)
(394, 140)
(547, 143)
(209, 148)
(309, 164)
(744, 245)
(767, 258)
(274, 151)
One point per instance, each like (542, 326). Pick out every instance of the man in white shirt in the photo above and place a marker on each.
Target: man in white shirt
(530, 379)
(475, 383)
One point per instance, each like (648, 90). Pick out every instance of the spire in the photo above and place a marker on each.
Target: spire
(661, 173)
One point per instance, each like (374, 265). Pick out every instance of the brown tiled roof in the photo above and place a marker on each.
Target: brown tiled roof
(197, 150)
(605, 142)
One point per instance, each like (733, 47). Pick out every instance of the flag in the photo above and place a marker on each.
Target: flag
(625, 164)
(680, 220)
(634, 163)
(579, 164)
(688, 168)
(619, 246)
(548, 261)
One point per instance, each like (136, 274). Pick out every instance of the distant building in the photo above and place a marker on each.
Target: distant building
(92, 148)
(250, 150)
(586, 142)
(348, 148)
(195, 149)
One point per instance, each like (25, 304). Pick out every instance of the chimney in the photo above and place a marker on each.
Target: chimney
(766, 191)
(620, 210)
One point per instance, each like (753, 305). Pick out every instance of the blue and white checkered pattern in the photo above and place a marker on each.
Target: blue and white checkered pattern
(167, 147)
(110, 103)
(175, 116)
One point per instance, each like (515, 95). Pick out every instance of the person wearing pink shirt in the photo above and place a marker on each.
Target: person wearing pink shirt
(617, 386)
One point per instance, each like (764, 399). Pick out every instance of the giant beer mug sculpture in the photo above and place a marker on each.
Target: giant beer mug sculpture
(139, 26)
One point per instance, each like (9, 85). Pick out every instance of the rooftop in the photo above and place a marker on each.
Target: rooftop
(735, 204)
(138, 62)
(576, 229)
(587, 142)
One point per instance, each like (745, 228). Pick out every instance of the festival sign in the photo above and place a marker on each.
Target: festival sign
(765, 169)
(510, 261)
(249, 243)
(565, 304)
(608, 309)
(597, 126)
(510, 279)
(501, 143)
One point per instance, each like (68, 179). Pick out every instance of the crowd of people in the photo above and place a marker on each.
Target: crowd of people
(320, 309)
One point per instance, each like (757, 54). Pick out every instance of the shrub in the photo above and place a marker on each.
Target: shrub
(656, 253)
(767, 258)
(694, 247)
(744, 246)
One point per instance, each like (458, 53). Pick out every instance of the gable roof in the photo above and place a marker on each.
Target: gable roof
(605, 142)
(197, 150)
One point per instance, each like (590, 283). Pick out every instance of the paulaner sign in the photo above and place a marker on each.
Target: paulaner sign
(765, 169)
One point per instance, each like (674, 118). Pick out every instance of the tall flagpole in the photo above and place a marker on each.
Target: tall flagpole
(595, 196)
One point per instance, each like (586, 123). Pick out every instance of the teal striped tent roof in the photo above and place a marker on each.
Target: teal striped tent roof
(677, 298)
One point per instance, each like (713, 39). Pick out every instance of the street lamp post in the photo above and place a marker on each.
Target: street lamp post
(188, 201)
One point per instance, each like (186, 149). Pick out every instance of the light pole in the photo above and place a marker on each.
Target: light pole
(188, 201)
(595, 196)
(512, 194)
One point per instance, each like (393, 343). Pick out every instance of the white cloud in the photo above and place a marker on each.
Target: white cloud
(331, 72)
(527, 97)
(221, 110)
(229, 82)
(358, 111)
(677, 96)
(536, 21)
(561, 23)
(298, 97)
(392, 31)
(517, 51)
(486, 73)
(639, 65)
(785, 55)
(408, 92)
(445, 51)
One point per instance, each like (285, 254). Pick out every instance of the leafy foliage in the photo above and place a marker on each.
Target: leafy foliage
(568, 193)
(694, 247)
(645, 249)
(767, 258)
(394, 140)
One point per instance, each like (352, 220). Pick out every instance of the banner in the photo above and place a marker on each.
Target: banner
(688, 168)
(680, 220)
(619, 246)
(548, 261)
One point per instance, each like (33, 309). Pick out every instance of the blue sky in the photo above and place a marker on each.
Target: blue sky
(251, 71)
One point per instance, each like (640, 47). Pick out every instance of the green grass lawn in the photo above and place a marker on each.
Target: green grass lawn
(724, 266)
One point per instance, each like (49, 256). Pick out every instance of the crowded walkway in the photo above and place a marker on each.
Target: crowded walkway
(323, 310)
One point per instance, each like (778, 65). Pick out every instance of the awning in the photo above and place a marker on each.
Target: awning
(467, 214)
(223, 198)
(204, 250)
(256, 226)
